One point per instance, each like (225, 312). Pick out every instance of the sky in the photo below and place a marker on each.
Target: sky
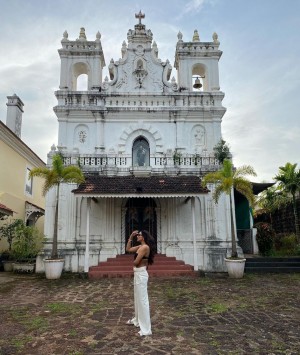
(259, 68)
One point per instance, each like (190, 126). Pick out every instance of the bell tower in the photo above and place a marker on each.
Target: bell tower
(81, 57)
(198, 61)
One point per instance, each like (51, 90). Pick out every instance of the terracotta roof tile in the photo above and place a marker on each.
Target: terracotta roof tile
(4, 209)
(132, 185)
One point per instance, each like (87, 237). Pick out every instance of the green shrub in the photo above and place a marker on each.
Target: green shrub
(265, 238)
(286, 245)
(289, 241)
(27, 242)
(8, 231)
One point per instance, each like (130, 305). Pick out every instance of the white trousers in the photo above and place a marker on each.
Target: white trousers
(141, 301)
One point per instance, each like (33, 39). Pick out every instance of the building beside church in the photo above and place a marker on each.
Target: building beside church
(143, 140)
(20, 196)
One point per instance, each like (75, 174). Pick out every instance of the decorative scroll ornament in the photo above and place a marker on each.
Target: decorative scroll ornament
(82, 136)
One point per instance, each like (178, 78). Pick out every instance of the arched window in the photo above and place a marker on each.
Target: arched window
(199, 79)
(80, 77)
(140, 152)
(82, 82)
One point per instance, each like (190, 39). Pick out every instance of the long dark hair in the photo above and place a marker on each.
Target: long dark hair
(151, 244)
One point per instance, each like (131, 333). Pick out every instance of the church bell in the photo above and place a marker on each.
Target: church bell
(197, 84)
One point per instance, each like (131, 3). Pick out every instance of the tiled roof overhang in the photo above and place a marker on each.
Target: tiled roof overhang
(139, 187)
(5, 210)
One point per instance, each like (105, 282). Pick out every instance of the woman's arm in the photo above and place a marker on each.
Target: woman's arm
(142, 251)
(130, 248)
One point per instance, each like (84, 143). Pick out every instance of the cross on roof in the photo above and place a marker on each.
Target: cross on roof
(140, 16)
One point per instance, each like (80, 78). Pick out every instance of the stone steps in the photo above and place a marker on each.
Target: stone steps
(272, 265)
(121, 266)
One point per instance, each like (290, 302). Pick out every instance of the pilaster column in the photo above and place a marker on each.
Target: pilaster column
(194, 233)
(87, 237)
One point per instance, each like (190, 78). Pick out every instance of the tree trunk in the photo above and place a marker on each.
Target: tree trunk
(54, 254)
(296, 219)
(233, 240)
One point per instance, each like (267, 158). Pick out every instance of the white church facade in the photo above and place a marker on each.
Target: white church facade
(143, 140)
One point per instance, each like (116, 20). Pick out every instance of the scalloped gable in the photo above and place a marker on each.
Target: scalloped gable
(139, 70)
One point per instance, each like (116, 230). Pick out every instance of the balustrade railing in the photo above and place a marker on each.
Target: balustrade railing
(94, 99)
(189, 161)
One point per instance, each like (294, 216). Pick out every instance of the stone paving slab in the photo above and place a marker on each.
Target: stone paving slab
(258, 314)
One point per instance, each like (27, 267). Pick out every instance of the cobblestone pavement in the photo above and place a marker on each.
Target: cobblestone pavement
(258, 314)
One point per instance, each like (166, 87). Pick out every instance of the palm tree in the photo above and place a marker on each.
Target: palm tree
(289, 182)
(225, 180)
(271, 200)
(55, 176)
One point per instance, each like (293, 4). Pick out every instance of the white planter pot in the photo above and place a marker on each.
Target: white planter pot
(235, 268)
(53, 268)
(24, 267)
(8, 265)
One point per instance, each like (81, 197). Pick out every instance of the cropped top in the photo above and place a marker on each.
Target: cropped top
(144, 257)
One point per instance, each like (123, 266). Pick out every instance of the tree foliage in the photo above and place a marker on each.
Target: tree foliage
(53, 177)
(222, 151)
(288, 180)
(9, 231)
(225, 180)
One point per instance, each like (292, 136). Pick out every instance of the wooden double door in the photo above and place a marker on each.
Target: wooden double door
(141, 215)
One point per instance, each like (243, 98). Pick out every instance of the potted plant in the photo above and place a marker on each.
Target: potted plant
(7, 260)
(177, 157)
(225, 180)
(26, 245)
(8, 231)
(54, 177)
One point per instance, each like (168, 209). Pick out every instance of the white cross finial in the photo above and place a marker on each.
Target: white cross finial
(140, 16)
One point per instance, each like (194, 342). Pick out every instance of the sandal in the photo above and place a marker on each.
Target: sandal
(132, 322)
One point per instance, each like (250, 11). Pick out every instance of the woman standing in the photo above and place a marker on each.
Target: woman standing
(144, 254)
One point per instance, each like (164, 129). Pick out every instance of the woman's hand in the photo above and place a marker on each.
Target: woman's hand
(129, 247)
(133, 234)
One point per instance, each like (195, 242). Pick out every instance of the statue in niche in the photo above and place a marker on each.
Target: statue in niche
(141, 156)
(199, 137)
(82, 136)
(140, 74)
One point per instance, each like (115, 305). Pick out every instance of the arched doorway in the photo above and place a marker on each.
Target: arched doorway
(141, 215)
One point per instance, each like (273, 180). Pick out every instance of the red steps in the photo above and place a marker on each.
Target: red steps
(121, 266)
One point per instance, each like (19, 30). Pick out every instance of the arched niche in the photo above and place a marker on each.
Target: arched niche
(198, 138)
(140, 152)
(78, 70)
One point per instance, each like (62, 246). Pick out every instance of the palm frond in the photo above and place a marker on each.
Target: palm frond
(211, 178)
(72, 174)
(58, 164)
(39, 172)
(244, 171)
(217, 193)
(244, 187)
(227, 168)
